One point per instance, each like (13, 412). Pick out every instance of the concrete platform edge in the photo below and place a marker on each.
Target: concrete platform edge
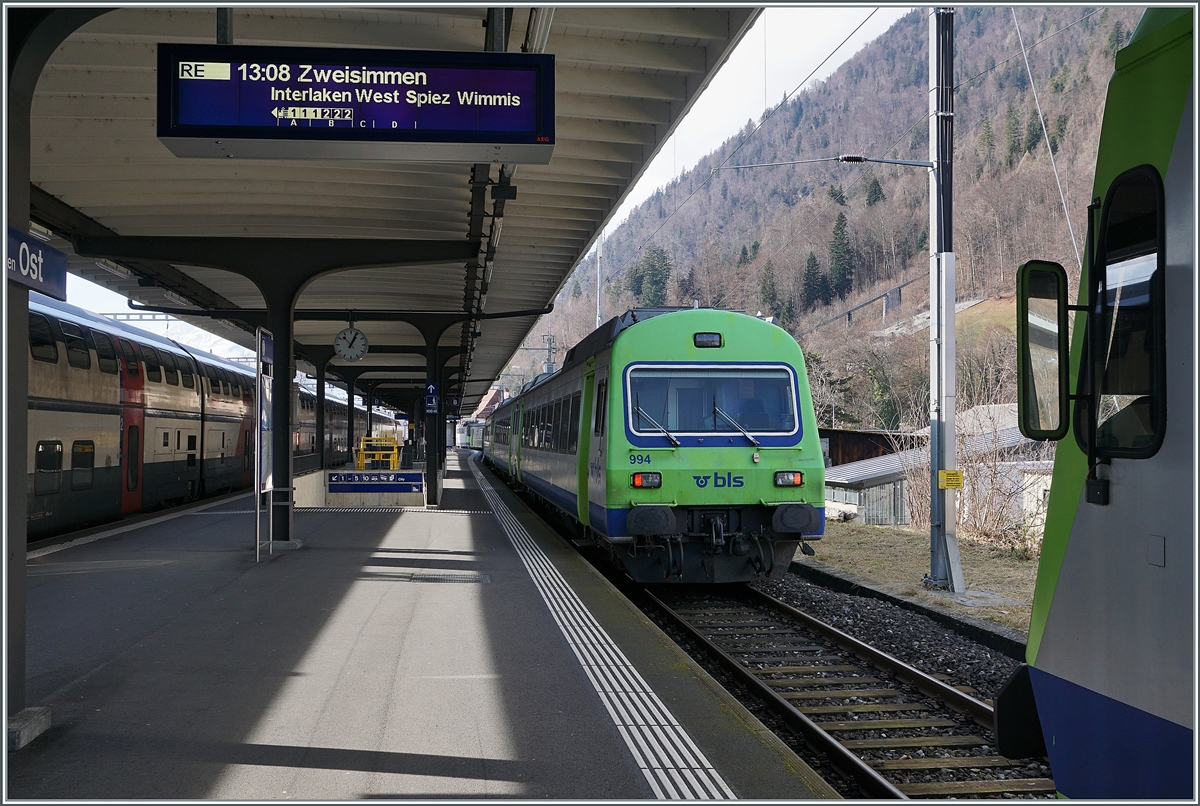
(27, 725)
(583, 576)
(1005, 640)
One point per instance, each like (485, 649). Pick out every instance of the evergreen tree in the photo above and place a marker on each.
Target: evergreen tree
(576, 290)
(835, 193)
(987, 141)
(811, 290)
(768, 294)
(1033, 131)
(841, 266)
(648, 279)
(875, 192)
(744, 258)
(1013, 136)
(1116, 39)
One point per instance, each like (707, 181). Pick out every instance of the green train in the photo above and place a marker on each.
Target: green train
(683, 441)
(1108, 691)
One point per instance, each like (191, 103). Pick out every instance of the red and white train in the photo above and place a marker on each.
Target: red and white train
(122, 420)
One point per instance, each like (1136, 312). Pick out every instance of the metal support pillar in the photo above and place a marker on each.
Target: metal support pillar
(16, 427)
(224, 26)
(32, 35)
(280, 307)
(945, 565)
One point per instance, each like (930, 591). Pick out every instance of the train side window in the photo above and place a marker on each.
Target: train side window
(134, 457)
(556, 443)
(166, 439)
(131, 359)
(83, 463)
(185, 372)
(170, 369)
(153, 370)
(226, 386)
(77, 349)
(214, 386)
(41, 339)
(106, 356)
(47, 465)
(573, 424)
(1128, 339)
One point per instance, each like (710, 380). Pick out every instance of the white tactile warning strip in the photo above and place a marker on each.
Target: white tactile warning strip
(671, 762)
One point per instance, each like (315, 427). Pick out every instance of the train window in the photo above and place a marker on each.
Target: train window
(166, 439)
(106, 356)
(47, 465)
(150, 357)
(226, 386)
(170, 369)
(133, 457)
(185, 372)
(77, 349)
(556, 427)
(601, 406)
(131, 358)
(573, 423)
(41, 339)
(83, 462)
(1128, 332)
(713, 398)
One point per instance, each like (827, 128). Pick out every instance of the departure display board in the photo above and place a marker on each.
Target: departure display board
(255, 102)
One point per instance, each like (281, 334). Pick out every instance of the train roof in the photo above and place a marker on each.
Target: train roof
(78, 315)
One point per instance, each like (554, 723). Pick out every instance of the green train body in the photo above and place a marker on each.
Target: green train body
(646, 442)
(1108, 692)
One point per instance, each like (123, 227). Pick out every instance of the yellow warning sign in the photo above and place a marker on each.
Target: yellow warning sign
(950, 480)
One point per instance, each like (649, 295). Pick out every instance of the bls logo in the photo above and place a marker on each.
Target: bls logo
(718, 480)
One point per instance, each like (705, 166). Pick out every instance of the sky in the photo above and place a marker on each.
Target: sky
(779, 52)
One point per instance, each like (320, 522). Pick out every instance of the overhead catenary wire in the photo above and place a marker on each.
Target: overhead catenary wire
(1046, 134)
(861, 173)
(754, 131)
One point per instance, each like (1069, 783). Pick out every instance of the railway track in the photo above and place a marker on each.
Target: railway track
(895, 730)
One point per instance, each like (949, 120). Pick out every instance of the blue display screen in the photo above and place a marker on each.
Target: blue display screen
(341, 94)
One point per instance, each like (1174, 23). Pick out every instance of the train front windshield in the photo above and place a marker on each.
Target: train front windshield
(704, 399)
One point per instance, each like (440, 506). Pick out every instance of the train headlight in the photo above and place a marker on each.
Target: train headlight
(789, 478)
(646, 480)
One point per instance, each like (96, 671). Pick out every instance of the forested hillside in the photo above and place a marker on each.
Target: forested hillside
(807, 242)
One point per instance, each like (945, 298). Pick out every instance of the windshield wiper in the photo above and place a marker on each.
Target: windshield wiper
(736, 424)
(670, 436)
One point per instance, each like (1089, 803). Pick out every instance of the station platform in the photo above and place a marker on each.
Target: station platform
(458, 652)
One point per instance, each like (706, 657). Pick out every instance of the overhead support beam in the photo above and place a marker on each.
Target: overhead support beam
(281, 268)
(68, 222)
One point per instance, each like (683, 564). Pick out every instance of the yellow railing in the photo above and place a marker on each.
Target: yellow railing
(377, 453)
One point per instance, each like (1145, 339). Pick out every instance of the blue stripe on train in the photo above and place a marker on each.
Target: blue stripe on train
(608, 522)
(1110, 750)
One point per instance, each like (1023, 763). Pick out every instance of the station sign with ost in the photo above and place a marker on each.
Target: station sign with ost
(259, 102)
(36, 265)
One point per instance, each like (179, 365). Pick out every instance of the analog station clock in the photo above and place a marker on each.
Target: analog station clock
(350, 344)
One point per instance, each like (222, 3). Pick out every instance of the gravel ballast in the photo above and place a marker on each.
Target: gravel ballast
(913, 638)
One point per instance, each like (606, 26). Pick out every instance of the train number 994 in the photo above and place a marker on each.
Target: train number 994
(639, 458)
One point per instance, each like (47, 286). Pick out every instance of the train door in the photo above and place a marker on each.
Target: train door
(583, 449)
(517, 439)
(597, 456)
(132, 427)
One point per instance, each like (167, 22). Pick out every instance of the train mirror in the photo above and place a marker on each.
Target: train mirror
(1042, 350)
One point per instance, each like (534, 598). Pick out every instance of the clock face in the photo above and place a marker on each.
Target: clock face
(350, 344)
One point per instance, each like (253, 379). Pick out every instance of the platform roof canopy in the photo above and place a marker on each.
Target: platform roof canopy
(624, 78)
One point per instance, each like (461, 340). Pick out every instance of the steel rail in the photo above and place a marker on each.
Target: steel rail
(980, 711)
(871, 782)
